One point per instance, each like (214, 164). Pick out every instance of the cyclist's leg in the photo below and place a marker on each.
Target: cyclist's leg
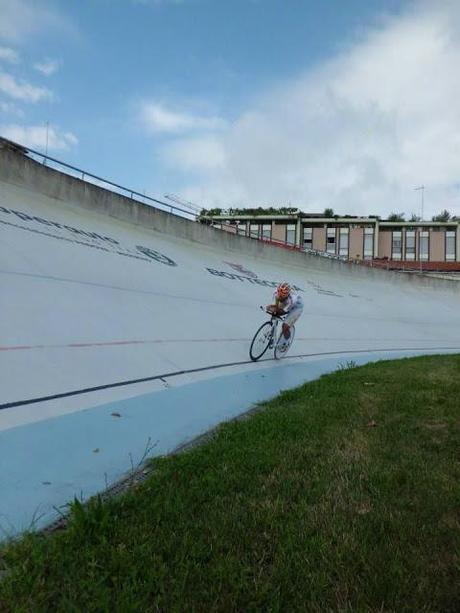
(290, 320)
(286, 330)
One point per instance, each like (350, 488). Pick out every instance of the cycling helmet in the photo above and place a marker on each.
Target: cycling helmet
(283, 290)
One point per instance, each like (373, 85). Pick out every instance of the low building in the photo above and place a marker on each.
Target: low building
(396, 243)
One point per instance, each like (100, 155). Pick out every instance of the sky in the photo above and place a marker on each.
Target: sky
(343, 104)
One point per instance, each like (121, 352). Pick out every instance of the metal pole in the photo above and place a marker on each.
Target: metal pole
(422, 189)
(423, 194)
(419, 249)
(46, 142)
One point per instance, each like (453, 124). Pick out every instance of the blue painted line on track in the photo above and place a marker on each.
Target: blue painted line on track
(46, 464)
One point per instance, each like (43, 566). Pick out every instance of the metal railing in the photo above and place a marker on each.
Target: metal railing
(84, 175)
(226, 226)
(423, 266)
(328, 256)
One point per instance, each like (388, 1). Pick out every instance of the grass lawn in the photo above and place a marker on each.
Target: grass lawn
(341, 495)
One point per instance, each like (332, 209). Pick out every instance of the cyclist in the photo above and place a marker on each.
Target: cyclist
(289, 303)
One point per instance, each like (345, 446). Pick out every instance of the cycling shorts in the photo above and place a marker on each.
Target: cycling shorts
(293, 315)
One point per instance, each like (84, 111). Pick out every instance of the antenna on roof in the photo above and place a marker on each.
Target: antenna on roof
(422, 189)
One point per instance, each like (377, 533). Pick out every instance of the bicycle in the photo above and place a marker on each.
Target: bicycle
(266, 337)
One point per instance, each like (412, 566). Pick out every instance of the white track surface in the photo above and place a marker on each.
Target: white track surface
(79, 313)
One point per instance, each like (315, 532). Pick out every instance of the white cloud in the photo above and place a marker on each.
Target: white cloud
(48, 67)
(19, 19)
(8, 55)
(12, 109)
(36, 137)
(358, 133)
(204, 152)
(157, 118)
(21, 90)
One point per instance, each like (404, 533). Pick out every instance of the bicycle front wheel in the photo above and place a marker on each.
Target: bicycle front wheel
(261, 341)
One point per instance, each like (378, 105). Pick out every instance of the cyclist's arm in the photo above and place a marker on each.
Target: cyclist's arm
(276, 309)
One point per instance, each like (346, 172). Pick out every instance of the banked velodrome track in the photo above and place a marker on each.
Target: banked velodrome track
(124, 327)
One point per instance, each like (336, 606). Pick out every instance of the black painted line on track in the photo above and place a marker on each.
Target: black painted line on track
(87, 390)
(97, 388)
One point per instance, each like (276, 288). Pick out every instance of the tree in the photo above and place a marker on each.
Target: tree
(443, 216)
(415, 217)
(396, 217)
(328, 212)
(255, 211)
(210, 212)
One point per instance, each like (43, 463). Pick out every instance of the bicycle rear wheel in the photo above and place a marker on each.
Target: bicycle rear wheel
(261, 341)
(282, 345)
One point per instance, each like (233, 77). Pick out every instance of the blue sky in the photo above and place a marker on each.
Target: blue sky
(342, 103)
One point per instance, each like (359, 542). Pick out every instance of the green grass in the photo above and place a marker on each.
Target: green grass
(342, 495)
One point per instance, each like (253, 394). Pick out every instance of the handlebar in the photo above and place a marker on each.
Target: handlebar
(272, 314)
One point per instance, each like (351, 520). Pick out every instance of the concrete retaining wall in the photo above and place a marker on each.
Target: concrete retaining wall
(18, 169)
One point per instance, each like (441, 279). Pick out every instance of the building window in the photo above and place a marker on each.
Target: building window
(331, 240)
(254, 230)
(396, 245)
(450, 246)
(343, 241)
(308, 238)
(368, 243)
(290, 234)
(267, 231)
(410, 245)
(424, 243)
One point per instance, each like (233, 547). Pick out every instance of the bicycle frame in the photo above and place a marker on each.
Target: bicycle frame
(275, 320)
